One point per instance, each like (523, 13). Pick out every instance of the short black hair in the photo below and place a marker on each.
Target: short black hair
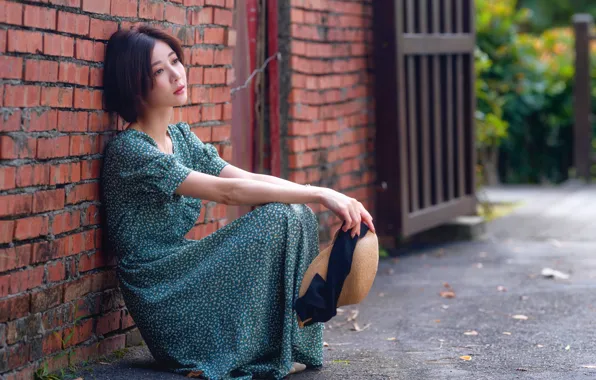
(127, 73)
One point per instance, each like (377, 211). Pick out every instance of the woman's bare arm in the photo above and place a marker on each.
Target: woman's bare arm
(231, 171)
(245, 191)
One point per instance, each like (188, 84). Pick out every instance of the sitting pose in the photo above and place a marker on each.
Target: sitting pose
(220, 307)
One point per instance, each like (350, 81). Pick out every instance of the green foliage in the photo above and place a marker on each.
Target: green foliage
(547, 14)
(525, 91)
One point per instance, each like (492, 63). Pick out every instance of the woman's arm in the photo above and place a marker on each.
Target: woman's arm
(236, 186)
(245, 191)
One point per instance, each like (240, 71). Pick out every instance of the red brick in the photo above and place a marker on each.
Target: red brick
(88, 99)
(201, 16)
(22, 41)
(33, 175)
(7, 177)
(53, 147)
(222, 17)
(2, 40)
(6, 231)
(149, 9)
(48, 200)
(124, 8)
(102, 29)
(220, 94)
(231, 38)
(95, 77)
(40, 121)
(40, 17)
(214, 36)
(44, 251)
(46, 299)
(211, 112)
(66, 3)
(81, 145)
(54, 44)
(31, 227)
(202, 56)
(69, 121)
(26, 279)
(84, 50)
(22, 96)
(57, 97)
(83, 192)
(11, 67)
(65, 173)
(223, 57)
(108, 323)
(66, 221)
(52, 342)
(215, 75)
(14, 307)
(41, 70)
(56, 271)
(219, 3)
(90, 169)
(96, 6)
(11, 258)
(16, 204)
(93, 261)
(12, 13)
(72, 73)
(73, 23)
(11, 121)
(195, 75)
(175, 14)
(78, 288)
(221, 133)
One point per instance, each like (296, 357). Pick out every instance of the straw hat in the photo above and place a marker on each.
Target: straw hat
(360, 276)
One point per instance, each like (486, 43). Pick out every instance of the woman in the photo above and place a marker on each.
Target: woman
(220, 306)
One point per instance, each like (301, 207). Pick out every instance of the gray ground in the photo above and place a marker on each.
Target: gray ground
(409, 331)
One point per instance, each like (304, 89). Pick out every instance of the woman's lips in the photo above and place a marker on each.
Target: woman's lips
(180, 90)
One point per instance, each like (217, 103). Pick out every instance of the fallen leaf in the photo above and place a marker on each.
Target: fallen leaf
(567, 348)
(392, 339)
(506, 333)
(357, 328)
(589, 366)
(501, 288)
(325, 344)
(437, 321)
(520, 316)
(445, 307)
(381, 294)
(466, 357)
(446, 284)
(539, 346)
(472, 332)
(551, 273)
(447, 294)
(195, 374)
(479, 265)
(521, 369)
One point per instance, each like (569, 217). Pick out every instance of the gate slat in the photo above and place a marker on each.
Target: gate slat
(424, 104)
(436, 80)
(413, 156)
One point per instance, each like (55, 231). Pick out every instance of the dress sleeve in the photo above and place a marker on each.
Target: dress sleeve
(144, 168)
(205, 156)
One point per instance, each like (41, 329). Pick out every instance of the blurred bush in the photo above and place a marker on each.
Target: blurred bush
(525, 96)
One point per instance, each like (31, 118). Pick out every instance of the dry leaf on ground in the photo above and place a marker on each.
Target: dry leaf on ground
(589, 366)
(195, 374)
(472, 333)
(520, 317)
(393, 338)
(501, 288)
(466, 357)
(506, 333)
(447, 294)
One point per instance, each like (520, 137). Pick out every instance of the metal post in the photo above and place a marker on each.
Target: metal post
(582, 130)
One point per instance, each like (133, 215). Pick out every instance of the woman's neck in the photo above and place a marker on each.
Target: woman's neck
(155, 124)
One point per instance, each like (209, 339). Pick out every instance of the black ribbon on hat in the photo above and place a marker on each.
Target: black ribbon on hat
(319, 303)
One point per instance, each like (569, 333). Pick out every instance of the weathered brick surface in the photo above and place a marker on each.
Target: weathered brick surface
(330, 115)
(52, 134)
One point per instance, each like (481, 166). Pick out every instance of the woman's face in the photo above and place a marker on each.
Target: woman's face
(169, 76)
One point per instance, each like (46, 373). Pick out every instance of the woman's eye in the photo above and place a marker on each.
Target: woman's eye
(176, 61)
(158, 71)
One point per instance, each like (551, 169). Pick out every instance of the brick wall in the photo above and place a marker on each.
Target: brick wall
(328, 123)
(52, 134)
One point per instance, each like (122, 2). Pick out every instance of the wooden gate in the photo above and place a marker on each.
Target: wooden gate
(425, 102)
(582, 129)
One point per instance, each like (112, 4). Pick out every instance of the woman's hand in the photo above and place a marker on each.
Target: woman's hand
(348, 210)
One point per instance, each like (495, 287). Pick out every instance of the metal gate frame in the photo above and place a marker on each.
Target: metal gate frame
(425, 102)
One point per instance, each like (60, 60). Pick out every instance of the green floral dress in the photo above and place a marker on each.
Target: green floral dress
(222, 305)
